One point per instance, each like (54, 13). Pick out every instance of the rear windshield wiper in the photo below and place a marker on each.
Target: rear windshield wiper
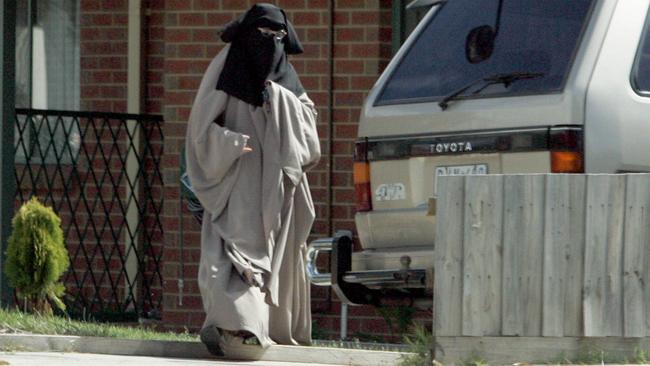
(505, 79)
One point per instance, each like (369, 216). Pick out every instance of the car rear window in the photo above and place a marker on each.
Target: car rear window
(532, 36)
(641, 75)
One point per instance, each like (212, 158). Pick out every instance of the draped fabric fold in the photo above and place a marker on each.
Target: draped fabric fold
(258, 207)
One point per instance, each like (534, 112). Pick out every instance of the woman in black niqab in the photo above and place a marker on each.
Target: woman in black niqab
(256, 56)
(249, 172)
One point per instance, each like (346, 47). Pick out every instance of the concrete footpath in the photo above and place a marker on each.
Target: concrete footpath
(84, 359)
(73, 348)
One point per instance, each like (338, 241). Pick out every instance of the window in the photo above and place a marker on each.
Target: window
(47, 76)
(532, 36)
(641, 71)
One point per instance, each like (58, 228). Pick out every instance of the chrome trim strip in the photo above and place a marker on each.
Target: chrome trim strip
(407, 279)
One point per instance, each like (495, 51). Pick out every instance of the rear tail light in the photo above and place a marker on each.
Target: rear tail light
(566, 162)
(566, 149)
(361, 175)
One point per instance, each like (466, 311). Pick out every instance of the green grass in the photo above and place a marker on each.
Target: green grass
(12, 321)
(595, 356)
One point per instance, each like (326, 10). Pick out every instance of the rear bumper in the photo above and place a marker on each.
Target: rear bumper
(381, 229)
(364, 287)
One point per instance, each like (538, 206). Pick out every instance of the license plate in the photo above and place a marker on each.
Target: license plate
(462, 169)
(470, 169)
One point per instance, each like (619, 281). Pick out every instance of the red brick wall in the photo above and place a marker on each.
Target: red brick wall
(103, 51)
(181, 39)
(154, 38)
(103, 46)
(362, 49)
(104, 36)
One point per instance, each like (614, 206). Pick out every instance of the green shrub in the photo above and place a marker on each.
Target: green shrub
(397, 316)
(420, 343)
(37, 257)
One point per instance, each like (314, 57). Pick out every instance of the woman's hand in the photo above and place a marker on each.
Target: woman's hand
(246, 148)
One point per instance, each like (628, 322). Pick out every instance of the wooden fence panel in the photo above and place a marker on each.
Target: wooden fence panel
(637, 231)
(643, 232)
(602, 289)
(543, 255)
(523, 236)
(563, 255)
(449, 259)
(575, 251)
(482, 251)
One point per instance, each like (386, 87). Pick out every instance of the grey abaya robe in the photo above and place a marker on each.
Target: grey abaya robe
(258, 208)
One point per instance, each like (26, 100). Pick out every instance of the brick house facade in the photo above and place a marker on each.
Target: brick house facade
(347, 45)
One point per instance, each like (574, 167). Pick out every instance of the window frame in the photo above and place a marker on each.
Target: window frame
(645, 34)
(399, 23)
(440, 6)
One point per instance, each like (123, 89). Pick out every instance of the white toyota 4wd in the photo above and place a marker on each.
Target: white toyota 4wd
(488, 87)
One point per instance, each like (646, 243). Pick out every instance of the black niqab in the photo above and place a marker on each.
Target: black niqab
(255, 58)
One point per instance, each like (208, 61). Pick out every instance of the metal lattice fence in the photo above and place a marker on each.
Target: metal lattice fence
(101, 173)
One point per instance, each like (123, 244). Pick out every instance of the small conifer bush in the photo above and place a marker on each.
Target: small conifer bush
(37, 257)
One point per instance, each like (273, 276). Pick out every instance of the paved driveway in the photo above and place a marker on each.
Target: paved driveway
(85, 359)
